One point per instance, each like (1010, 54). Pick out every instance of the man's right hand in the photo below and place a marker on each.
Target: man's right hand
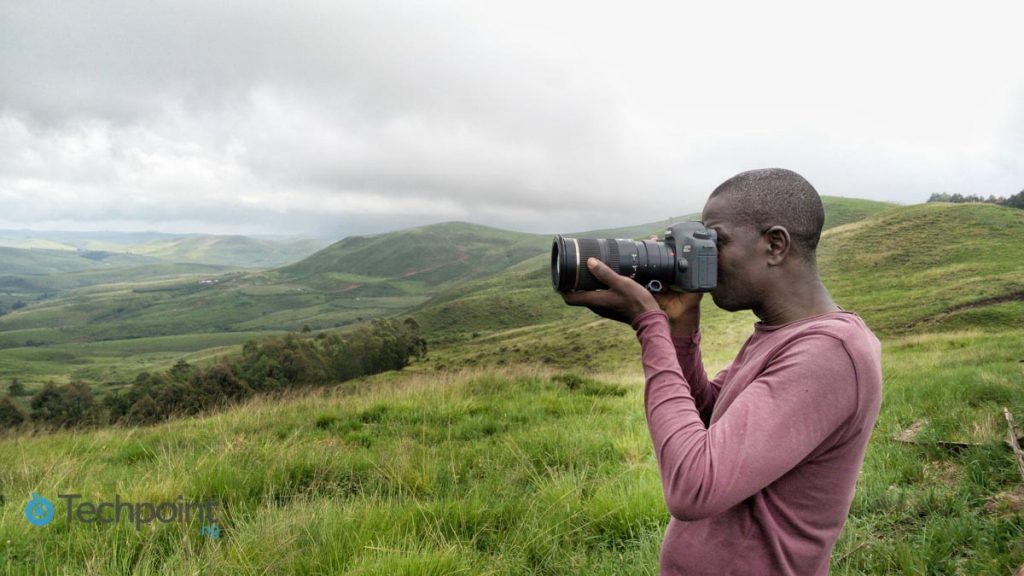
(683, 310)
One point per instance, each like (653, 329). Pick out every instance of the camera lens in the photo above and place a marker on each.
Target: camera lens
(642, 261)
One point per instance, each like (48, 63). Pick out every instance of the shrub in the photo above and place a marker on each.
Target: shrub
(145, 411)
(16, 388)
(11, 415)
(68, 405)
(265, 365)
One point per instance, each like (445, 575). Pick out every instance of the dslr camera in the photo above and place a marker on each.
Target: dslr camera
(685, 261)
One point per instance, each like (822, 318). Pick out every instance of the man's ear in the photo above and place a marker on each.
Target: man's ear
(779, 244)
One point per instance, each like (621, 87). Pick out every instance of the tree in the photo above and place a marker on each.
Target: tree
(11, 415)
(117, 404)
(418, 346)
(181, 371)
(219, 386)
(68, 405)
(177, 399)
(145, 411)
(16, 388)
(1015, 201)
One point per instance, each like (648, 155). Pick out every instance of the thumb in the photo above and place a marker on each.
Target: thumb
(602, 272)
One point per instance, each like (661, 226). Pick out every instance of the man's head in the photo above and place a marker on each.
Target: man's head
(769, 222)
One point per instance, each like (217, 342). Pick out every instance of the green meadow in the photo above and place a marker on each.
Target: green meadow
(518, 445)
(522, 470)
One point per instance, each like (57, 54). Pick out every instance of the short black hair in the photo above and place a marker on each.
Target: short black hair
(777, 197)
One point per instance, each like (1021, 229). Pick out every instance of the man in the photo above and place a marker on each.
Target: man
(758, 466)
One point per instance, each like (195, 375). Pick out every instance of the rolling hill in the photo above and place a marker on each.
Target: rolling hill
(352, 280)
(30, 274)
(211, 249)
(239, 251)
(522, 294)
(43, 262)
(430, 256)
(519, 444)
(897, 269)
(838, 211)
(930, 267)
(458, 278)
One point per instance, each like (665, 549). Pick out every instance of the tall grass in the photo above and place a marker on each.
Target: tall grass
(525, 469)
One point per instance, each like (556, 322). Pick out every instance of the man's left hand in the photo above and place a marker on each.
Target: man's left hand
(623, 301)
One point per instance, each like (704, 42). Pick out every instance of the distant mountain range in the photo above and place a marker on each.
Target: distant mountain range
(217, 250)
(359, 277)
(901, 267)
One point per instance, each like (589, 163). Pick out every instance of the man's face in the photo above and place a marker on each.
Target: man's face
(741, 257)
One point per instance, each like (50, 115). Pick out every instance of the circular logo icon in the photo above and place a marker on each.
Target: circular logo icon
(39, 510)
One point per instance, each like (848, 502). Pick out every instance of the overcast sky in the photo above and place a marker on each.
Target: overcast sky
(339, 118)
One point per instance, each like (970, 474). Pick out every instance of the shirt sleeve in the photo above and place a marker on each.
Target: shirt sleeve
(805, 393)
(704, 391)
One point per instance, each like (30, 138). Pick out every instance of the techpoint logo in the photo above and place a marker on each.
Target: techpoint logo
(40, 511)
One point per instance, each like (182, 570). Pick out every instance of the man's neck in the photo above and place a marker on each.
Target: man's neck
(805, 298)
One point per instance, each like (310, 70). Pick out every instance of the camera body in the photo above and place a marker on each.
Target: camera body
(685, 261)
(696, 250)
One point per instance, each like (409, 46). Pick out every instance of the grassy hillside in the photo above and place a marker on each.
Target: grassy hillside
(235, 251)
(838, 211)
(521, 296)
(518, 446)
(107, 361)
(355, 279)
(28, 275)
(930, 267)
(440, 273)
(40, 262)
(71, 240)
(518, 470)
(429, 255)
(240, 251)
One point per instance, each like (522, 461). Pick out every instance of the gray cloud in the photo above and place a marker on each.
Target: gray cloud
(357, 117)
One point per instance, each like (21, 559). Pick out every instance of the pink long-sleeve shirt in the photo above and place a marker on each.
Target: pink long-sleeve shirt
(758, 466)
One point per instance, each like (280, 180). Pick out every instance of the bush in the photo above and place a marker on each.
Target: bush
(11, 415)
(60, 406)
(145, 411)
(219, 386)
(267, 365)
(16, 388)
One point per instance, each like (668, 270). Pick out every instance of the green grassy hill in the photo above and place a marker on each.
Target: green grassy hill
(240, 251)
(930, 267)
(41, 262)
(356, 278)
(429, 255)
(217, 250)
(351, 281)
(460, 279)
(521, 295)
(838, 211)
(516, 470)
(518, 446)
(27, 275)
(72, 240)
